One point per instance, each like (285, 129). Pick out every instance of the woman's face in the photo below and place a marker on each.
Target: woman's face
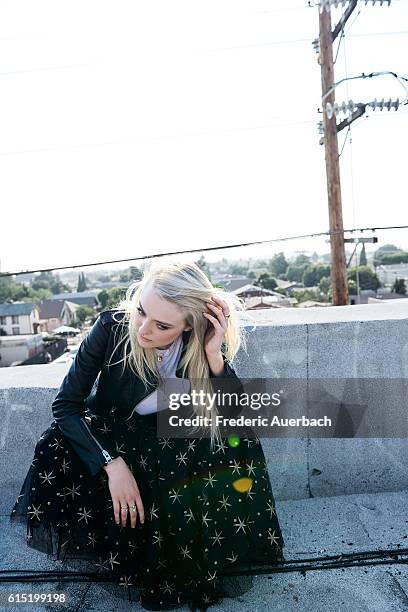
(159, 322)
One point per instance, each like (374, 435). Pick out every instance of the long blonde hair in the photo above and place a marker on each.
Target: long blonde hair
(187, 286)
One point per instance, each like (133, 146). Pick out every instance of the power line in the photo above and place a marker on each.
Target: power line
(363, 558)
(205, 249)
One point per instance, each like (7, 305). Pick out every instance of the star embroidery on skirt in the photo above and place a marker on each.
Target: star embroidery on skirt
(191, 445)
(233, 557)
(217, 538)
(161, 563)
(73, 491)
(65, 464)
(240, 524)
(273, 538)
(125, 581)
(167, 587)
(165, 442)
(92, 539)
(224, 503)
(189, 514)
(185, 552)
(235, 468)
(143, 462)
(153, 512)
(210, 479)
(101, 564)
(85, 514)
(132, 546)
(119, 449)
(271, 509)
(47, 477)
(181, 458)
(250, 493)
(203, 498)
(175, 495)
(36, 512)
(205, 519)
(212, 577)
(57, 444)
(159, 538)
(112, 560)
(250, 468)
(221, 446)
(249, 521)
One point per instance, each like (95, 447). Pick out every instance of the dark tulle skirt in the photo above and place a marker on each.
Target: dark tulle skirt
(210, 518)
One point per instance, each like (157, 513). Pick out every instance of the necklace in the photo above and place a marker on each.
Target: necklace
(162, 353)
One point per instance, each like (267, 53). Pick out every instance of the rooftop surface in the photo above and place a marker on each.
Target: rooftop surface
(333, 496)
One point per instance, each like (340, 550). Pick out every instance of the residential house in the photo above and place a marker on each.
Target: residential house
(18, 318)
(54, 313)
(82, 298)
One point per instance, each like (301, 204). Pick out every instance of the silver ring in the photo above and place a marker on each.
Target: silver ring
(124, 508)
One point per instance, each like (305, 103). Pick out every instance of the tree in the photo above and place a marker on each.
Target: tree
(83, 313)
(399, 286)
(325, 285)
(278, 264)
(295, 273)
(384, 250)
(239, 269)
(110, 298)
(301, 259)
(363, 256)
(203, 265)
(266, 281)
(82, 286)
(366, 277)
(313, 274)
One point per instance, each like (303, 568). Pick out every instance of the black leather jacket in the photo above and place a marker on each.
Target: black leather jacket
(94, 389)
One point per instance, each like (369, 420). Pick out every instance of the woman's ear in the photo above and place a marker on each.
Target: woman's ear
(189, 328)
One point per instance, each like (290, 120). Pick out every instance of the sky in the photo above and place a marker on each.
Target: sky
(141, 127)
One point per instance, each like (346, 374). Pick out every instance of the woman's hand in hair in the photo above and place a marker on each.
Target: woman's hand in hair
(124, 492)
(217, 327)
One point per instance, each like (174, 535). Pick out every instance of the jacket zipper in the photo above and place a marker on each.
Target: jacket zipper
(104, 452)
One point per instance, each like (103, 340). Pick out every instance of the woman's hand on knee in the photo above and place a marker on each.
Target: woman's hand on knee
(124, 492)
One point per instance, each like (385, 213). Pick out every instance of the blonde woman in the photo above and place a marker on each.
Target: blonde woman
(178, 519)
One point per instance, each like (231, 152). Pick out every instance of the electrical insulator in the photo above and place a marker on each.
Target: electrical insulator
(327, 4)
(376, 1)
(320, 127)
(350, 106)
(316, 45)
(381, 105)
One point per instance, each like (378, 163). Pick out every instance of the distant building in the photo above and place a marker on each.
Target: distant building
(313, 303)
(54, 313)
(82, 298)
(257, 297)
(231, 282)
(19, 318)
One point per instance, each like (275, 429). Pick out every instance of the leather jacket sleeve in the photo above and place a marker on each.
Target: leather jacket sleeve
(69, 406)
(229, 383)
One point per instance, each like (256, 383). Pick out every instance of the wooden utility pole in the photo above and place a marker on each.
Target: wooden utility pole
(338, 255)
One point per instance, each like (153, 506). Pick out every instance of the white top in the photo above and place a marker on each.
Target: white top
(167, 360)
